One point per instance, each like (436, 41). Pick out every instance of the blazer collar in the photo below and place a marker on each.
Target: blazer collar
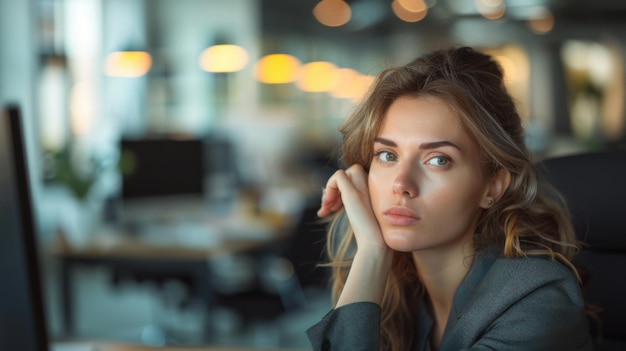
(482, 262)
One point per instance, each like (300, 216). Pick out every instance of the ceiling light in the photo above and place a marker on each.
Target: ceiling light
(317, 76)
(277, 69)
(127, 64)
(332, 13)
(223, 58)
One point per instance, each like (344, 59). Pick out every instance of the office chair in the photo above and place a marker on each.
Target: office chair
(594, 187)
(287, 276)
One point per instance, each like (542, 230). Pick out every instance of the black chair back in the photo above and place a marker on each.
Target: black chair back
(594, 186)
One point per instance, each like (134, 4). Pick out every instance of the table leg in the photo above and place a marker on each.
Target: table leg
(67, 312)
(203, 286)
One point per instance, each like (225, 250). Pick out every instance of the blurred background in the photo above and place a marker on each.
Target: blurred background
(177, 147)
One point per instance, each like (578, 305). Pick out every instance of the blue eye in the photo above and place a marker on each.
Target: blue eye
(438, 161)
(385, 156)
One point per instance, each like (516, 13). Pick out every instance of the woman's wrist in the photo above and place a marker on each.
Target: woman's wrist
(368, 276)
(378, 250)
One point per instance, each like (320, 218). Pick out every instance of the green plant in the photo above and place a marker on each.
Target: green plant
(62, 168)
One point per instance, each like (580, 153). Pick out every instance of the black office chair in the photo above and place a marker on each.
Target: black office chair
(594, 186)
(286, 277)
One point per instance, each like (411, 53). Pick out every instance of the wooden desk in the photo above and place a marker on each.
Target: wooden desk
(127, 252)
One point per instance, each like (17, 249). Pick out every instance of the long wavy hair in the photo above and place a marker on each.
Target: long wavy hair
(529, 219)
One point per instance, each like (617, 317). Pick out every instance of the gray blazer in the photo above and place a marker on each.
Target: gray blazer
(502, 304)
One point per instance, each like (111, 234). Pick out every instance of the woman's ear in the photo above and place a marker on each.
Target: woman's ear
(496, 187)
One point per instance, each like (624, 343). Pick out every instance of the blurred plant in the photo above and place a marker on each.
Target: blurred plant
(64, 168)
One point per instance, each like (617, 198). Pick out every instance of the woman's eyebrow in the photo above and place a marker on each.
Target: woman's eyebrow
(385, 141)
(438, 144)
(424, 146)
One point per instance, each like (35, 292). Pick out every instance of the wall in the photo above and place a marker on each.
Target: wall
(18, 67)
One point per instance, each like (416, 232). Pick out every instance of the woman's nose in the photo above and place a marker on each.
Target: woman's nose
(405, 182)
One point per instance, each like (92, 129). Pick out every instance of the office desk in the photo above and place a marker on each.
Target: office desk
(147, 254)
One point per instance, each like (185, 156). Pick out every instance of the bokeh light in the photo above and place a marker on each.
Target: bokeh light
(332, 13)
(127, 64)
(491, 9)
(406, 15)
(277, 69)
(317, 76)
(542, 22)
(223, 58)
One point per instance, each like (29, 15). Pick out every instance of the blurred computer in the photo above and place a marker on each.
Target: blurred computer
(163, 180)
(173, 187)
(22, 320)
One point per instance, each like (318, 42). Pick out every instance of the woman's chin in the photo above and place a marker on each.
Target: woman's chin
(399, 240)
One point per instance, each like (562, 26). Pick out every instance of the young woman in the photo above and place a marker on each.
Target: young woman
(442, 237)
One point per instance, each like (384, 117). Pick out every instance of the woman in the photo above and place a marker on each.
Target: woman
(442, 237)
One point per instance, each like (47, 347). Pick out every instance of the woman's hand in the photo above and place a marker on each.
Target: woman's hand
(349, 189)
(372, 261)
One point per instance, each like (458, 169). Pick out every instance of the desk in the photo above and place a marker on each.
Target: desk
(124, 251)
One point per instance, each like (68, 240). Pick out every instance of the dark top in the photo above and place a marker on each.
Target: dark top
(531, 303)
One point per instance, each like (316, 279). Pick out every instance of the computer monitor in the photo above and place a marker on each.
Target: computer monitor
(22, 317)
(156, 167)
(162, 178)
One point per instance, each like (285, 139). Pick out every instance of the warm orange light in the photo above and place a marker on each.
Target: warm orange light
(413, 5)
(542, 23)
(361, 87)
(127, 64)
(317, 76)
(491, 9)
(223, 58)
(408, 16)
(332, 13)
(350, 84)
(346, 80)
(509, 68)
(277, 69)
(516, 70)
(81, 106)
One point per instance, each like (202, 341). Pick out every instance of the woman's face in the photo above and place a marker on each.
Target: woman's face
(425, 178)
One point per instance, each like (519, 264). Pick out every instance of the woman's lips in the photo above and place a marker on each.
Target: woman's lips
(400, 216)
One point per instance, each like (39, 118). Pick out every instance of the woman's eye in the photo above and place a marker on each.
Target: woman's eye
(438, 161)
(385, 156)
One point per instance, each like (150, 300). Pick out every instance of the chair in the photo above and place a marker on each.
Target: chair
(594, 186)
(285, 277)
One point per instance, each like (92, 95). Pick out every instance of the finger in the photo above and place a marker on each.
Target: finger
(358, 176)
(357, 204)
(347, 191)
(331, 202)
(331, 196)
(351, 184)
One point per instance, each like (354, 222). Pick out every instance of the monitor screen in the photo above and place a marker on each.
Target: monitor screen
(22, 319)
(163, 180)
(154, 167)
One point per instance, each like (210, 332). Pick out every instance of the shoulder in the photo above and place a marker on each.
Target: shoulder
(524, 301)
(543, 265)
(527, 280)
(518, 276)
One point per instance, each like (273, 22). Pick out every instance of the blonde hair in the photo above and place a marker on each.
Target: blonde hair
(529, 219)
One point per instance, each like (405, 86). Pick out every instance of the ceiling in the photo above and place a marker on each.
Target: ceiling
(375, 17)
